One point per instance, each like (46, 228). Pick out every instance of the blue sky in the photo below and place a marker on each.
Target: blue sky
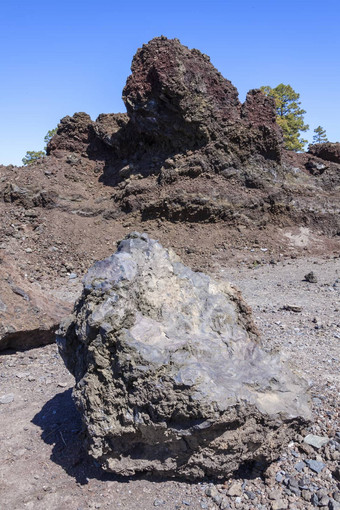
(57, 58)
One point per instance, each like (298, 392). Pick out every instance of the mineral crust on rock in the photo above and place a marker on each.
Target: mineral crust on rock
(170, 374)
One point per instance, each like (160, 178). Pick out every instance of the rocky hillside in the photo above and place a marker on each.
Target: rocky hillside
(187, 163)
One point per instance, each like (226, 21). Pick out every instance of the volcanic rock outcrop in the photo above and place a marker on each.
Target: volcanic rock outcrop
(170, 374)
(176, 101)
(327, 151)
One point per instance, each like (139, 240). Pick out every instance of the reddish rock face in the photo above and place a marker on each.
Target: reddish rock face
(327, 151)
(176, 102)
(73, 134)
(174, 91)
(259, 109)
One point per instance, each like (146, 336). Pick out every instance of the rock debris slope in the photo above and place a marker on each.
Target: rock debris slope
(170, 374)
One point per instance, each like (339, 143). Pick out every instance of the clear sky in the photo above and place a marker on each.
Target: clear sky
(65, 56)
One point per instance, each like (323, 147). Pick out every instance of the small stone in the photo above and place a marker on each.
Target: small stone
(293, 308)
(311, 277)
(224, 504)
(251, 495)
(7, 399)
(315, 465)
(293, 482)
(72, 276)
(324, 501)
(296, 491)
(31, 378)
(235, 489)
(333, 505)
(299, 466)
(316, 441)
(279, 504)
(279, 477)
(274, 494)
(158, 502)
(306, 495)
(22, 375)
(314, 500)
(62, 384)
(336, 496)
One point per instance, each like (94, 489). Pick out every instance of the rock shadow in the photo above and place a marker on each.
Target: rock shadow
(61, 426)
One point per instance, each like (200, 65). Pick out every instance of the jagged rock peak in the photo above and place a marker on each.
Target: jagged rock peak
(171, 84)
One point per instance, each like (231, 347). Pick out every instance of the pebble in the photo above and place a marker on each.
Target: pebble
(293, 308)
(315, 465)
(279, 504)
(235, 489)
(316, 441)
(311, 277)
(274, 494)
(158, 502)
(299, 466)
(22, 375)
(7, 399)
(279, 477)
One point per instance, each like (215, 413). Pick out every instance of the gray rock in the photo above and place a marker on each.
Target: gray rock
(170, 374)
(280, 504)
(316, 441)
(311, 277)
(299, 466)
(315, 465)
(7, 399)
(235, 489)
(279, 477)
(158, 502)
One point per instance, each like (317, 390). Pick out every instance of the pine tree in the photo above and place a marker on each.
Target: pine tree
(289, 115)
(32, 156)
(320, 135)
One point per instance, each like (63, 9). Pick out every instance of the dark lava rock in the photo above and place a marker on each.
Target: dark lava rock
(327, 151)
(170, 374)
(176, 94)
(176, 98)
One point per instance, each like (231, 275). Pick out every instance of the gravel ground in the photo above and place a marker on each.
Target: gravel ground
(44, 467)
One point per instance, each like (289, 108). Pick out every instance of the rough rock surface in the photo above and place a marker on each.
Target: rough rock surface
(327, 151)
(170, 374)
(29, 316)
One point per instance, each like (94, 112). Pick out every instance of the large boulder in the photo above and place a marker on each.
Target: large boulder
(170, 374)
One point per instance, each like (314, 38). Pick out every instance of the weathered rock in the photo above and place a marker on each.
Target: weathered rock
(29, 316)
(76, 135)
(327, 151)
(316, 441)
(176, 95)
(170, 374)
